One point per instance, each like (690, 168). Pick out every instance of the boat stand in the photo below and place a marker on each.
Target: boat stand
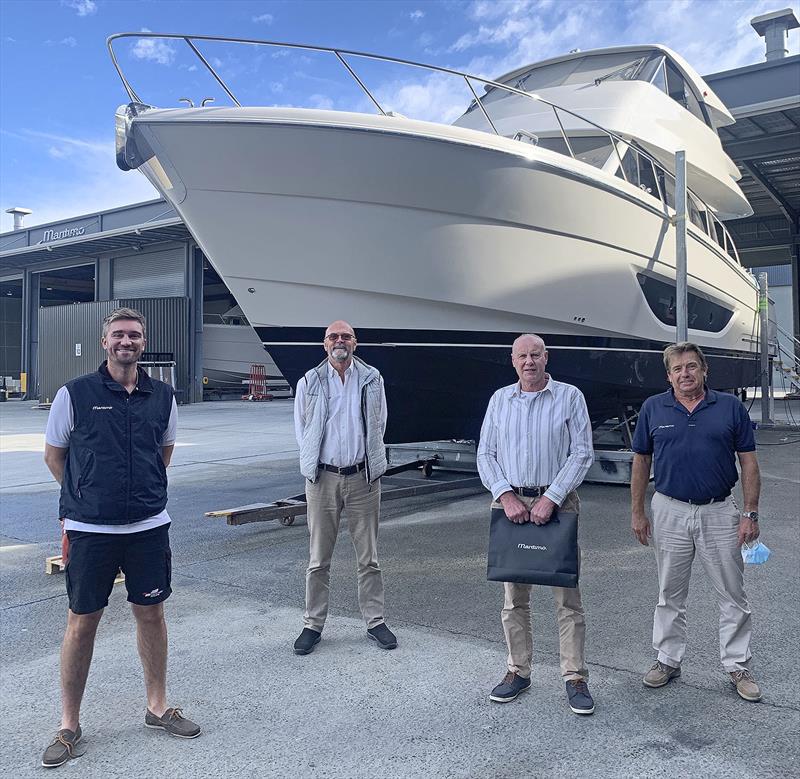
(425, 458)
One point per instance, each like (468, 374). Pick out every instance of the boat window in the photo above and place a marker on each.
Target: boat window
(653, 71)
(554, 143)
(592, 149)
(616, 66)
(639, 172)
(704, 314)
(666, 185)
(682, 93)
(696, 212)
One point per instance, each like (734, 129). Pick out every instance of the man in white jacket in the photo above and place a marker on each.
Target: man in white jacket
(340, 418)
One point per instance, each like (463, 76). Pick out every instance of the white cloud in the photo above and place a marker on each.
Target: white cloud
(68, 41)
(264, 19)
(59, 152)
(83, 7)
(9, 39)
(415, 16)
(436, 98)
(277, 87)
(153, 50)
(83, 167)
(216, 62)
(320, 101)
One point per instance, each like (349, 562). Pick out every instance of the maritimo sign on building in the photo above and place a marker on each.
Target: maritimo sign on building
(58, 280)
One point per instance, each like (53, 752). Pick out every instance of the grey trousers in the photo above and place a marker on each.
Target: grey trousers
(680, 531)
(327, 499)
(516, 618)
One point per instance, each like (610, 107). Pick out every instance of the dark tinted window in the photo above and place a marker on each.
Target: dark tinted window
(704, 314)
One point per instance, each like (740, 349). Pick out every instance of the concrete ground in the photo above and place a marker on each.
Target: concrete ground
(350, 710)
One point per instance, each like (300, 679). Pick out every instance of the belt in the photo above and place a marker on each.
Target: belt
(348, 470)
(531, 492)
(703, 502)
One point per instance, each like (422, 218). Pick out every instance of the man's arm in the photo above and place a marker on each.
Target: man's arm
(166, 454)
(751, 491)
(640, 478)
(55, 458)
(299, 410)
(577, 464)
(492, 474)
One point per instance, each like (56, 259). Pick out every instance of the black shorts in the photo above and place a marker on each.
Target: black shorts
(94, 559)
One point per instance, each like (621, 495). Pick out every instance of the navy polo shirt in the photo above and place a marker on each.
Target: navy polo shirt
(694, 455)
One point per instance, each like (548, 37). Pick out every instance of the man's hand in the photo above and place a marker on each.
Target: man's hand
(515, 509)
(641, 527)
(542, 511)
(748, 531)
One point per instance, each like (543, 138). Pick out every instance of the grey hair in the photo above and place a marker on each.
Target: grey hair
(682, 348)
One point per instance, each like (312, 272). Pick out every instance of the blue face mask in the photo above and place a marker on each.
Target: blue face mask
(755, 553)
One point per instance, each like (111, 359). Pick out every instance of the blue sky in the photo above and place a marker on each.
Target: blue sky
(60, 90)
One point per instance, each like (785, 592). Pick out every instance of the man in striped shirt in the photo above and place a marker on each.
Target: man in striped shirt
(535, 449)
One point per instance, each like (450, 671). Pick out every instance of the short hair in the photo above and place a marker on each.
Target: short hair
(124, 313)
(682, 348)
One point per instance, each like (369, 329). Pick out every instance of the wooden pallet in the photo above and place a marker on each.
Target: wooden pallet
(56, 564)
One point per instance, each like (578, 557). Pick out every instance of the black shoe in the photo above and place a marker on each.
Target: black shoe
(580, 699)
(511, 686)
(382, 636)
(306, 641)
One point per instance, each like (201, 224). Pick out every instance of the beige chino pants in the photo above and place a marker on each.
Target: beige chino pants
(681, 531)
(327, 499)
(516, 618)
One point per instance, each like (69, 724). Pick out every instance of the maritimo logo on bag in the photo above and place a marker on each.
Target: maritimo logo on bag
(534, 547)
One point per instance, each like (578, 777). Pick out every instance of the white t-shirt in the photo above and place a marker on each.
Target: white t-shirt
(60, 425)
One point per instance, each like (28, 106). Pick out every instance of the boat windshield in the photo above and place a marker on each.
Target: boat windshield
(591, 69)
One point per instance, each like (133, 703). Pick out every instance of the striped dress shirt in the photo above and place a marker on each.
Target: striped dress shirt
(534, 439)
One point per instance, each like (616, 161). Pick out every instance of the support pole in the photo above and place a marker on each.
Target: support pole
(681, 281)
(763, 316)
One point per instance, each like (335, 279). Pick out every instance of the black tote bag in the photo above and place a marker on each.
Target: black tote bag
(534, 554)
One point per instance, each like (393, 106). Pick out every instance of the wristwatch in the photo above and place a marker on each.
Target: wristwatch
(751, 515)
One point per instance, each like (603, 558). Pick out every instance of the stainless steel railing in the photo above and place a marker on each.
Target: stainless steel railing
(665, 181)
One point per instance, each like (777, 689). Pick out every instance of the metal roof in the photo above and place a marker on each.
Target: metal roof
(765, 145)
(135, 237)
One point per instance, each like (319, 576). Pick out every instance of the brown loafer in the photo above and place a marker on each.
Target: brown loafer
(174, 723)
(62, 748)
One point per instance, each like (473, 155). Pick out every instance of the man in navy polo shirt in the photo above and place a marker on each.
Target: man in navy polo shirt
(109, 439)
(693, 436)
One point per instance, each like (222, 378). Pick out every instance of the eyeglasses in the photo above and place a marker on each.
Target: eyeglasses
(334, 337)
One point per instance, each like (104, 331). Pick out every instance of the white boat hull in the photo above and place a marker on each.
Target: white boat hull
(403, 226)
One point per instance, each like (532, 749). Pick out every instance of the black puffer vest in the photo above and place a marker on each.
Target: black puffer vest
(114, 474)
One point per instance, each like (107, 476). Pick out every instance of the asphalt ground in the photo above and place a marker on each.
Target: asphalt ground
(349, 709)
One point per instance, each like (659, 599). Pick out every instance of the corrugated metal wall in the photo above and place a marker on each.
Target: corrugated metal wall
(62, 327)
(159, 274)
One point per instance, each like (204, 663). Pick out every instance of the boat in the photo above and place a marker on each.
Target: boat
(547, 206)
(230, 350)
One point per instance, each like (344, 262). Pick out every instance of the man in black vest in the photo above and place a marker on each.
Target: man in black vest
(109, 439)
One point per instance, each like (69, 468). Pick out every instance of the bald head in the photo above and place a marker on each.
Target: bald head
(529, 358)
(339, 344)
(526, 340)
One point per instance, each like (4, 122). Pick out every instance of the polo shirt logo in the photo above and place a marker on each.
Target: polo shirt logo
(664, 427)
(102, 408)
(534, 547)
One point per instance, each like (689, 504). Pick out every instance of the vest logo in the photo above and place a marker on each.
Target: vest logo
(153, 593)
(533, 547)
(664, 427)
(102, 408)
